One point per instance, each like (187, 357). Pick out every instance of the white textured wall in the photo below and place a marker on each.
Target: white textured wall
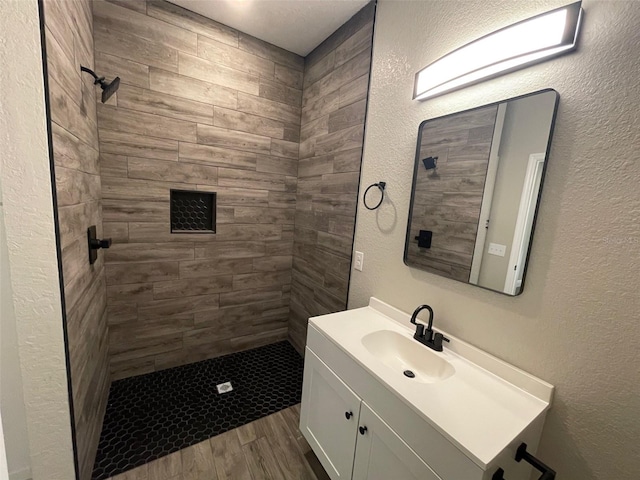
(11, 399)
(576, 324)
(26, 196)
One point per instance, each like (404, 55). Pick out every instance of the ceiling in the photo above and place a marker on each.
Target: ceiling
(295, 25)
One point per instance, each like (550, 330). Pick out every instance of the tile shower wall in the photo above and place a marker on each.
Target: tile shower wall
(336, 80)
(200, 107)
(69, 44)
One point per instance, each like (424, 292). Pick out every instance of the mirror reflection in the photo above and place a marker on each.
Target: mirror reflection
(476, 187)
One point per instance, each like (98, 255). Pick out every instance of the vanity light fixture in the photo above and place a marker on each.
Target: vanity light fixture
(524, 43)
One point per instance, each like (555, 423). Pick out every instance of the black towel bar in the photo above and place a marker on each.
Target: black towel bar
(522, 454)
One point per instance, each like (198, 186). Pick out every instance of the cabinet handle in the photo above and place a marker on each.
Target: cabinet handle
(348, 415)
(363, 430)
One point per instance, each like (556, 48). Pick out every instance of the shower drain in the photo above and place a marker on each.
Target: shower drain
(225, 387)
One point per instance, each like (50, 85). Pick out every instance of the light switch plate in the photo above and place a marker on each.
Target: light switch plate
(497, 249)
(359, 263)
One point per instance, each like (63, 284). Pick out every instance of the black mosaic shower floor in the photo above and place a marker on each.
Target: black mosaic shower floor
(153, 415)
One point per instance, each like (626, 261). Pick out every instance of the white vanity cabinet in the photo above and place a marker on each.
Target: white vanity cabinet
(348, 437)
(366, 420)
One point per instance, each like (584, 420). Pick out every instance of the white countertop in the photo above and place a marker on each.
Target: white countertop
(476, 408)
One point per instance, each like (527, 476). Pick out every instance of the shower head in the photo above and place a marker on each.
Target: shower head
(108, 89)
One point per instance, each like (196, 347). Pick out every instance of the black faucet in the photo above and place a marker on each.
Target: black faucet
(427, 337)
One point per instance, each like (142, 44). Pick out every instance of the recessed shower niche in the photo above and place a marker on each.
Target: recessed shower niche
(193, 212)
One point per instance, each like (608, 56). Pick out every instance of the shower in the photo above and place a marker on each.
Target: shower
(108, 89)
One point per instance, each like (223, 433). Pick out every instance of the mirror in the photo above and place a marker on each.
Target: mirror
(477, 181)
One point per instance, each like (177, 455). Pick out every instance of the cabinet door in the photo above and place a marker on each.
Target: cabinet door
(329, 417)
(381, 454)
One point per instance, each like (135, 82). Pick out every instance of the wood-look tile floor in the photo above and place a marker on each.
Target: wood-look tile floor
(271, 448)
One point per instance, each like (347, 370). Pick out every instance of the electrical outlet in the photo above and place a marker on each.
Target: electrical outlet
(359, 263)
(497, 249)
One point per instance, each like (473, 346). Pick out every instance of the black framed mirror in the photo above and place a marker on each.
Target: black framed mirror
(477, 182)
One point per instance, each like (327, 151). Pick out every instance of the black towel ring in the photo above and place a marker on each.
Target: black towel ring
(380, 186)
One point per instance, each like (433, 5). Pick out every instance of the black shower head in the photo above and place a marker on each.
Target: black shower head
(108, 89)
(430, 163)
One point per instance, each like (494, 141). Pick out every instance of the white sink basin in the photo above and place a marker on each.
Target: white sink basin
(405, 354)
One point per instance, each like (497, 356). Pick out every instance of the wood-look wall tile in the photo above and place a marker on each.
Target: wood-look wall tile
(143, 100)
(347, 116)
(229, 177)
(230, 139)
(319, 106)
(320, 69)
(247, 302)
(130, 73)
(62, 68)
(354, 90)
(310, 167)
(336, 204)
(217, 156)
(234, 57)
(135, 122)
(139, 6)
(125, 20)
(273, 216)
(141, 347)
(343, 226)
(191, 88)
(335, 244)
(177, 306)
(291, 132)
(315, 128)
(260, 280)
(345, 139)
(113, 165)
(135, 292)
(281, 200)
(244, 122)
(340, 183)
(355, 44)
(266, 50)
(122, 313)
(67, 114)
(206, 71)
(73, 220)
(192, 286)
(243, 197)
(74, 186)
(179, 172)
(71, 152)
(217, 266)
(260, 232)
(191, 21)
(149, 252)
(123, 143)
(288, 76)
(279, 92)
(126, 273)
(133, 189)
(348, 160)
(118, 210)
(58, 22)
(268, 108)
(231, 249)
(134, 48)
(272, 263)
(278, 165)
(118, 232)
(307, 149)
(145, 232)
(282, 148)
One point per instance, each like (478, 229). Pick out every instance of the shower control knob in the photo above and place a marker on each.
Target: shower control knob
(348, 415)
(96, 243)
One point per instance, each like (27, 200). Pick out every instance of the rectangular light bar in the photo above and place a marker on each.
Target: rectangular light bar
(521, 44)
